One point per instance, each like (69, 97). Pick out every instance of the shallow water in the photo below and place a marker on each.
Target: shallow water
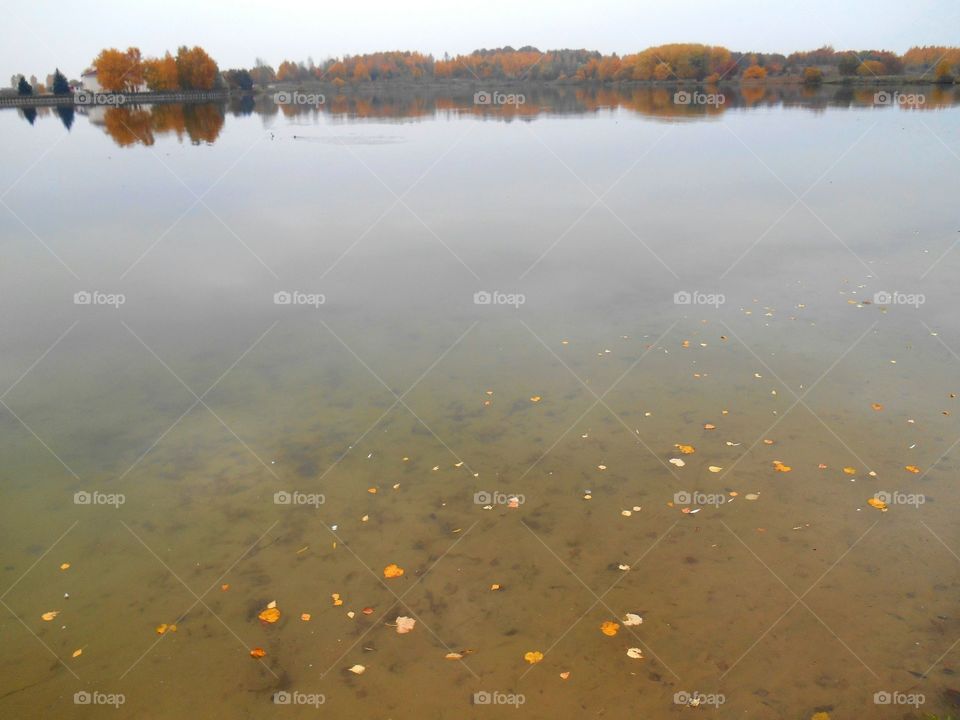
(199, 398)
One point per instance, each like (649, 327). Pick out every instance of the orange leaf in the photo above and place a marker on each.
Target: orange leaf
(533, 657)
(269, 615)
(912, 468)
(609, 628)
(392, 571)
(257, 652)
(685, 449)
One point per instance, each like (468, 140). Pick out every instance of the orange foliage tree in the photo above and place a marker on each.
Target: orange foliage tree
(754, 72)
(195, 69)
(161, 73)
(118, 71)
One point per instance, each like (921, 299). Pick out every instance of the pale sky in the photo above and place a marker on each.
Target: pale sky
(42, 34)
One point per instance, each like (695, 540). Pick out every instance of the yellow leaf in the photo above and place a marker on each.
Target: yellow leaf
(535, 399)
(392, 571)
(162, 628)
(877, 406)
(305, 617)
(269, 615)
(495, 586)
(565, 674)
(533, 657)
(685, 449)
(77, 653)
(878, 504)
(357, 669)
(850, 470)
(609, 628)
(335, 597)
(912, 468)
(48, 616)
(64, 566)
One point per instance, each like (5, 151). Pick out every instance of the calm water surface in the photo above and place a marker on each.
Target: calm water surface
(199, 398)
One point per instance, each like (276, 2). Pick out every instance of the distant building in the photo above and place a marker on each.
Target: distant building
(90, 83)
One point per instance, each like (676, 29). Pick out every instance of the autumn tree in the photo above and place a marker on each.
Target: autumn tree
(812, 76)
(871, 68)
(754, 72)
(161, 73)
(942, 72)
(119, 71)
(196, 70)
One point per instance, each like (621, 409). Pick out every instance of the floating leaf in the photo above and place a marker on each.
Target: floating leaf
(225, 587)
(565, 674)
(270, 614)
(405, 624)
(392, 571)
(714, 468)
(533, 657)
(257, 652)
(709, 426)
(685, 449)
(912, 468)
(357, 669)
(77, 653)
(335, 598)
(877, 406)
(535, 399)
(780, 467)
(496, 586)
(609, 628)
(305, 617)
(632, 619)
(850, 470)
(635, 653)
(677, 461)
(64, 566)
(367, 611)
(48, 616)
(878, 504)
(162, 628)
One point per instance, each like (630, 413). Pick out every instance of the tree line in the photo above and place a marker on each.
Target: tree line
(194, 69)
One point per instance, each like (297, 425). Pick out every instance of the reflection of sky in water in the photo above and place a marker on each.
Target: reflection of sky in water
(598, 218)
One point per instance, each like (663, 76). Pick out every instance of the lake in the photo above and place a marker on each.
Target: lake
(563, 356)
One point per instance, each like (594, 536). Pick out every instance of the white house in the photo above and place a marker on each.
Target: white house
(90, 83)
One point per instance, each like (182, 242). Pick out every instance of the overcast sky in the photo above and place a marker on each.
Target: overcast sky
(42, 34)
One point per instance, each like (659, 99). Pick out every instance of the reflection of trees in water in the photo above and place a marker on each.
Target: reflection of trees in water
(201, 123)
